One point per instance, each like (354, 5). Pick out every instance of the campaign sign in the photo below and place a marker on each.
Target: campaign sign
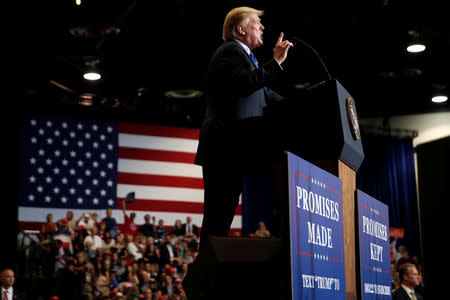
(316, 232)
(374, 248)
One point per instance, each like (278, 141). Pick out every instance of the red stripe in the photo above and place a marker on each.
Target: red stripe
(156, 130)
(160, 180)
(168, 206)
(158, 155)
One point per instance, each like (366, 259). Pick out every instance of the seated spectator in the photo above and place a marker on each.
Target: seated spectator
(168, 253)
(108, 241)
(120, 243)
(133, 248)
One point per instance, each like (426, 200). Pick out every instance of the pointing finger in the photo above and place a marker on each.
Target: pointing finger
(280, 38)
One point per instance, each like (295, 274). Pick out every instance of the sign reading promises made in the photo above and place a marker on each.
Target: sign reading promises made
(316, 232)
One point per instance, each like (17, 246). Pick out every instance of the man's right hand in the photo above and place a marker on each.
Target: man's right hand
(281, 49)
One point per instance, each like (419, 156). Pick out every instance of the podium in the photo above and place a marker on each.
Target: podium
(319, 125)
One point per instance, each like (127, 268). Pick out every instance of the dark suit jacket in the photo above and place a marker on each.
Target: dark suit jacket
(236, 93)
(194, 228)
(165, 254)
(401, 294)
(19, 295)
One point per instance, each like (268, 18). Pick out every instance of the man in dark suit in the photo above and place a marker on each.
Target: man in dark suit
(232, 140)
(190, 228)
(7, 280)
(409, 279)
(167, 251)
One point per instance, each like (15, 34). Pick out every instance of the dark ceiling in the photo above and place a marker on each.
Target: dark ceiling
(145, 48)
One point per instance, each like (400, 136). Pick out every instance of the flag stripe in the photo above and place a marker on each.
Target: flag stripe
(156, 155)
(157, 130)
(157, 143)
(159, 180)
(168, 206)
(161, 193)
(159, 168)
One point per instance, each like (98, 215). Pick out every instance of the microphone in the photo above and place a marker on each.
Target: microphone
(295, 40)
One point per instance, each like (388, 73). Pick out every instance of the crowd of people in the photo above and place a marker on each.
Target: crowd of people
(95, 258)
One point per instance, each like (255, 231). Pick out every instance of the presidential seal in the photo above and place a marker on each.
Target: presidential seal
(352, 118)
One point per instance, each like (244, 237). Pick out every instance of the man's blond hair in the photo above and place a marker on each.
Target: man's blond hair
(237, 16)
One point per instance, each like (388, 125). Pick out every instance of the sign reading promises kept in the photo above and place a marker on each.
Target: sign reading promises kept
(374, 248)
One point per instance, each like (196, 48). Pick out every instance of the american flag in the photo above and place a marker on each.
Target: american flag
(91, 165)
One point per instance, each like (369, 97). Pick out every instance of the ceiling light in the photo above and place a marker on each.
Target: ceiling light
(415, 48)
(184, 94)
(92, 76)
(439, 99)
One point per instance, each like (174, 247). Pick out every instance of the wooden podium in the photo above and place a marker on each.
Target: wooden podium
(319, 125)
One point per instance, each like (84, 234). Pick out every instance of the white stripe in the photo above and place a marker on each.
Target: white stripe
(159, 168)
(157, 143)
(160, 193)
(38, 214)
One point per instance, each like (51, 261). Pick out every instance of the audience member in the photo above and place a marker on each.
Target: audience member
(160, 231)
(71, 222)
(262, 231)
(189, 228)
(93, 241)
(409, 279)
(178, 228)
(7, 279)
(111, 223)
(147, 229)
(167, 251)
(86, 222)
(129, 226)
(48, 228)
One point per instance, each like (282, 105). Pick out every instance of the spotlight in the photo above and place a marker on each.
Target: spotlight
(92, 71)
(416, 44)
(416, 48)
(439, 98)
(92, 76)
(439, 93)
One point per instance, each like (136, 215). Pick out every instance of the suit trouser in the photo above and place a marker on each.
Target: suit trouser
(222, 187)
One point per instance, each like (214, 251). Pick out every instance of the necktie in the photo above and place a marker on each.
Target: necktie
(413, 296)
(5, 295)
(254, 59)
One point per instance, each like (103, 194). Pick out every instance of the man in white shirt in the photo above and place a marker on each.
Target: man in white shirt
(93, 239)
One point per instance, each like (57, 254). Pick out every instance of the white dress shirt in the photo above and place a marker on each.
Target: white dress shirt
(10, 292)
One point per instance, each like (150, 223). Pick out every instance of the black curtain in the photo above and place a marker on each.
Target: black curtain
(388, 174)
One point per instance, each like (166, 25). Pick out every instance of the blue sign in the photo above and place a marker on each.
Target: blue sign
(374, 248)
(316, 232)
